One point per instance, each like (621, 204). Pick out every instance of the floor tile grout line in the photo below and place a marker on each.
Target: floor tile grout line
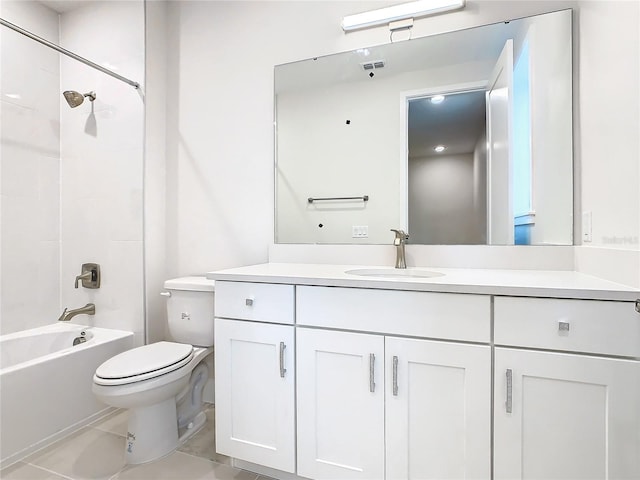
(48, 470)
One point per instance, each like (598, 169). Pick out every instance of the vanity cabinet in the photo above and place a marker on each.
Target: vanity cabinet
(567, 414)
(561, 415)
(437, 409)
(255, 374)
(340, 391)
(392, 384)
(370, 404)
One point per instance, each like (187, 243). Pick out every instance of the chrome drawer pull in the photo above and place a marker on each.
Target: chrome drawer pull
(372, 360)
(248, 302)
(282, 369)
(563, 326)
(395, 376)
(509, 402)
(638, 305)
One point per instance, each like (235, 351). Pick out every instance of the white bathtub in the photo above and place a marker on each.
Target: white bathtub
(45, 383)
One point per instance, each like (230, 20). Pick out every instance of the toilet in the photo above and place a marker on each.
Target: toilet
(162, 383)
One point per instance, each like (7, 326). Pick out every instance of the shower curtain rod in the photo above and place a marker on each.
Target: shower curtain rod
(66, 52)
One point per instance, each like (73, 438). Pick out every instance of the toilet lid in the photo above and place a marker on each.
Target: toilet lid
(144, 362)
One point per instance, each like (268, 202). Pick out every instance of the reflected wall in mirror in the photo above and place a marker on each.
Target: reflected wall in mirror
(497, 99)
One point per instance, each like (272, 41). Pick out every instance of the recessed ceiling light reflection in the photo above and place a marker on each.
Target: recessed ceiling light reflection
(437, 99)
(440, 148)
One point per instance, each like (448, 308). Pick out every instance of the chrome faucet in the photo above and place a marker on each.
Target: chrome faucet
(88, 309)
(399, 242)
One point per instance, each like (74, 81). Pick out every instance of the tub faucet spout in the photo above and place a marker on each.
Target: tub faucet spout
(88, 309)
(399, 241)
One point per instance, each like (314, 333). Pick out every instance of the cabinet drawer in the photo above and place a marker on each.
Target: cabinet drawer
(591, 326)
(449, 316)
(263, 302)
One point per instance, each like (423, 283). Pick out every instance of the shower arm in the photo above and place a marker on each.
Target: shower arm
(66, 52)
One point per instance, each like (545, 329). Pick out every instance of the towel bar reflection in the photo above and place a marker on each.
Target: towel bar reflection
(364, 198)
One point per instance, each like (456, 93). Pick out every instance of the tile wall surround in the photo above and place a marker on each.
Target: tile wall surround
(86, 202)
(102, 161)
(30, 170)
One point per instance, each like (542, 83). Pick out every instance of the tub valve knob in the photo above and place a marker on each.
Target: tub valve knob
(90, 276)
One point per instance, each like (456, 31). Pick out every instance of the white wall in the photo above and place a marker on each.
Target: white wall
(340, 160)
(220, 117)
(480, 188)
(441, 200)
(220, 121)
(552, 190)
(155, 174)
(29, 169)
(101, 148)
(607, 141)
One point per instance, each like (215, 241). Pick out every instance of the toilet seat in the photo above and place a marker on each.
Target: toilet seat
(143, 363)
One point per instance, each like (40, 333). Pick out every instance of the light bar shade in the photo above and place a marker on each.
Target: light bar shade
(403, 11)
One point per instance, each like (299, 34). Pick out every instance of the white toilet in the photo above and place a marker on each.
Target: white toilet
(162, 383)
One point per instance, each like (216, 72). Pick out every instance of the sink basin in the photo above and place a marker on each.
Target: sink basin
(393, 273)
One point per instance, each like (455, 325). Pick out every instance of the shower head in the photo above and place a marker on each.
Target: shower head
(74, 98)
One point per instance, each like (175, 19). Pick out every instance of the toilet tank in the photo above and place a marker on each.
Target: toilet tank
(190, 310)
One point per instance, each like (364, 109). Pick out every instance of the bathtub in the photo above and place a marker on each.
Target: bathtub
(45, 383)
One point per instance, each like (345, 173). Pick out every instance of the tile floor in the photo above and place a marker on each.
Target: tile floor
(96, 452)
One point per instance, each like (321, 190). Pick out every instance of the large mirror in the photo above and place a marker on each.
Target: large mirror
(458, 138)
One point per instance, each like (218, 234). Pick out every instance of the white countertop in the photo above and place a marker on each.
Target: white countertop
(532, 283)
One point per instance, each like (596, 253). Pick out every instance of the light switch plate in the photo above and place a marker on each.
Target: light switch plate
(360, 231)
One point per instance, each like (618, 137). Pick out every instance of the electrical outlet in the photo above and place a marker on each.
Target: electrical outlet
(586, 227)
(361, 231)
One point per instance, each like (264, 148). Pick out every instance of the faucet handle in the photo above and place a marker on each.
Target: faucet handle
(85, 276)
(401, 236)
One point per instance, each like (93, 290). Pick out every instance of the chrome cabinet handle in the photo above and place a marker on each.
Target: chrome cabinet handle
(165, 294)
(638, 305)
(248, 302)
(509, 402)
(282, 369)
(395, 376)
(372, 366)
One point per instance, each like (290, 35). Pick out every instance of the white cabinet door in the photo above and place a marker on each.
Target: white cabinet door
(340, 391)
(438, 410)
(565, 416)
(255, 401)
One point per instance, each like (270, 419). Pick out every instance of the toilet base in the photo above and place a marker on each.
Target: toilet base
(151, 432)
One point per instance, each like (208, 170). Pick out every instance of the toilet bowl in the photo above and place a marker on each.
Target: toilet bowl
(162, 383)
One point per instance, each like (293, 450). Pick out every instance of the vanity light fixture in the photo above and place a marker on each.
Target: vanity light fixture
(402, 11)
(440, 148)
(436, 99)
